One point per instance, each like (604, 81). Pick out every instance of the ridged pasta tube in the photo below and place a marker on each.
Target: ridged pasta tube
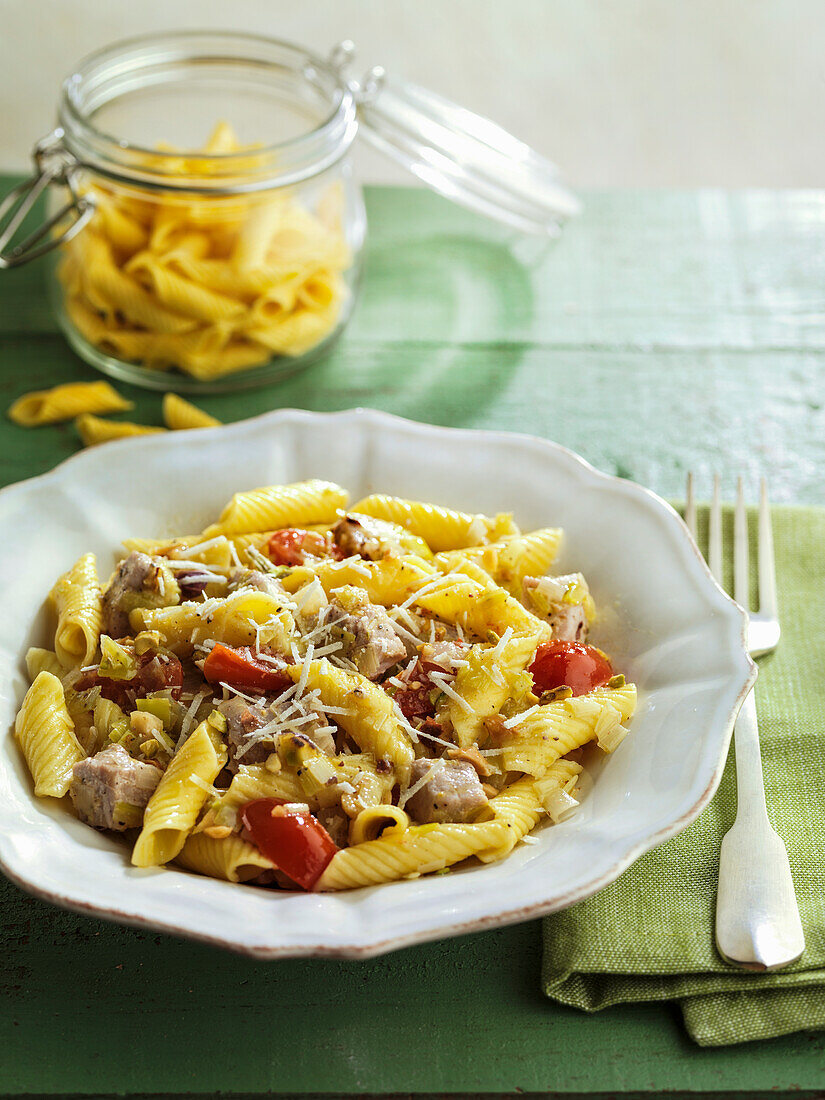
(419, 850)
(248, 783)
(76, 598)
(388, 581)
(485, 684)
(479, 605)
(508, 561)
(177, 800)
(517, 809)
(238, 620)
(65, 402)
(556, 729)
(229, 858)
(370, 719)
(93, 429)
(276, 506)
(180, 415)
(45, 733)
(441, 528)
(45, 660)
(375, 821)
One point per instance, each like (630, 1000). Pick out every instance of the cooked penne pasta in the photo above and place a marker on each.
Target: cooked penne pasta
(45, 733)
(76, 599)
(307, 697)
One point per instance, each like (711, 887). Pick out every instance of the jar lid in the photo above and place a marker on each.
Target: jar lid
(461, 155)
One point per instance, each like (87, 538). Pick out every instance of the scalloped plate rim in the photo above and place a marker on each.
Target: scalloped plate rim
(501, 916)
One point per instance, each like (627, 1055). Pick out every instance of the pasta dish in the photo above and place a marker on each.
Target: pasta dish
(315, 695)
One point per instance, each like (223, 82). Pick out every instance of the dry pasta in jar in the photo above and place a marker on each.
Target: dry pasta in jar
(207, 285)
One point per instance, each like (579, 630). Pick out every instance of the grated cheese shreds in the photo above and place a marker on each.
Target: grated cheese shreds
(437, 740)
(329, 709)
(204, 786)
(435, 767)
(403, 633)
(243, 695)
(304, 677)
(199, 547)
(402, 613)
(312, 589)
(430, 586)
(268, 659)
(189, 717)
(498, 648)
(165, 740)
(517, 719)
(411, 731)
(354, 561)
(180, 563)
(495, 675)
(343, 663)
(440, 680)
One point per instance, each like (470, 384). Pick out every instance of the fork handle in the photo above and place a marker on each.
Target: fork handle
(750, 784)
(758, 926)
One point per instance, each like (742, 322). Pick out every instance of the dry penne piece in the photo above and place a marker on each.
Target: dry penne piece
(309, 697)
(94, 429)
(179, 415)
(66, 402)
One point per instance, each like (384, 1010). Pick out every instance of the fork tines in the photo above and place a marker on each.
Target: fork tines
(767, 614)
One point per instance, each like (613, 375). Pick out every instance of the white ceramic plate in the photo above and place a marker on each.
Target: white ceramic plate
(666, 623)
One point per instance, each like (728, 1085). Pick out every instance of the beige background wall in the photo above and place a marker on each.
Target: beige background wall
(618, 92)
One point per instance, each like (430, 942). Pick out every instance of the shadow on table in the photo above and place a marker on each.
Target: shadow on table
(441, 326)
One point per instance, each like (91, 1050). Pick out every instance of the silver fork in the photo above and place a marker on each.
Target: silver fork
(757, 917)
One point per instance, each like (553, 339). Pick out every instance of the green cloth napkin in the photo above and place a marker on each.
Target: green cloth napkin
(649, 936)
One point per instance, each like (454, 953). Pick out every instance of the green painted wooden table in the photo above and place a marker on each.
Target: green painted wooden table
(663, 331)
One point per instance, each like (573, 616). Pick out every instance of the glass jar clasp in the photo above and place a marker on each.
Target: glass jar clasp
(370, 85)
(53, 164)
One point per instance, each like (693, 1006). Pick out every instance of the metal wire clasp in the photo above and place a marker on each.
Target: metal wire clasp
(370, 85)
(53, 164)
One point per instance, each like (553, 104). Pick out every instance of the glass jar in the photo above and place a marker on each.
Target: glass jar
(213, 234)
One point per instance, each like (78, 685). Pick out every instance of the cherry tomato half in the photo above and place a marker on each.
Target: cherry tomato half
(242, 668)
(292, 546)
(287, 547)
(569, 664)
(296, 843)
